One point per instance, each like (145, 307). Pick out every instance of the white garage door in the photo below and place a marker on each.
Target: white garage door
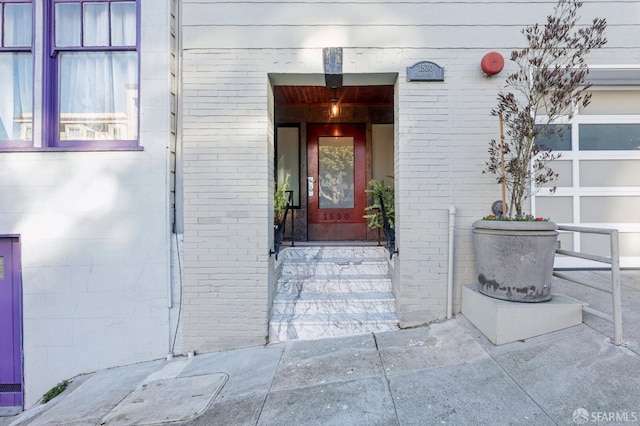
(599, 183)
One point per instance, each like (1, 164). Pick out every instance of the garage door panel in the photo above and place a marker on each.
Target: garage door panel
(630, 244)
(564, 168)
(558, 209)
(623, 209)
(597, 244)
(599, 183)
(613, 102)
(607, 173)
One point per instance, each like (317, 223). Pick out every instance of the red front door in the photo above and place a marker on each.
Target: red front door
(336, 182)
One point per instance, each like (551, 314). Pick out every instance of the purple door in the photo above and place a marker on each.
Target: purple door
(10, 324)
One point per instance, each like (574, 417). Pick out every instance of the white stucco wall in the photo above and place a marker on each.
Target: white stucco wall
(442, 133)
(94, 229)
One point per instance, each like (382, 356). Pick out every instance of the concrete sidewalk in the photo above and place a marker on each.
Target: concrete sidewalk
(445, 373)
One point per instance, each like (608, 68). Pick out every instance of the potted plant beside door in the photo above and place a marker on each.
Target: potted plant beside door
(381, 213)
(515, 251)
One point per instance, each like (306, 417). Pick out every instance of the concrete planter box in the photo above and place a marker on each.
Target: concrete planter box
(514, 260)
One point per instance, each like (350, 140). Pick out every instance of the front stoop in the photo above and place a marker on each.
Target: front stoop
(332, 291)
(505, 322)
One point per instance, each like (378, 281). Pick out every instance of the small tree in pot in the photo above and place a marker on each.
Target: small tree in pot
(514, 256)
(549, 82)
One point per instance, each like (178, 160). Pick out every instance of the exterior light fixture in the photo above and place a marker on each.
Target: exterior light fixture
(334, 106)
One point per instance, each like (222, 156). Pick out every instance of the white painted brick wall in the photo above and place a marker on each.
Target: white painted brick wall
(442, 134)
(94, 236)
(226, 187)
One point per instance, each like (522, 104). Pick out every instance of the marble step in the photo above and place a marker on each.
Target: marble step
(338, 252)
(333, 303)
(335, 267)
(286, 327)
(299, 284)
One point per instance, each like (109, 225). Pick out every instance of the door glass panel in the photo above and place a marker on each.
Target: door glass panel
(335, 172)
(1, 268)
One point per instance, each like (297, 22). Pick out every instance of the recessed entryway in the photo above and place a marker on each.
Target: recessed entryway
(330, 158)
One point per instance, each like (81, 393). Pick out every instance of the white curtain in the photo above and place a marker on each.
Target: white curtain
(16, 69)
(96, 86)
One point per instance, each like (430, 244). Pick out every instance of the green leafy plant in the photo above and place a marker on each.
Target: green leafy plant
(280, 201)
(55, 391)
(549, 83)
(377, 190)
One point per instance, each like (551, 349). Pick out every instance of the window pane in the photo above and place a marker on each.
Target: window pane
(98, 96)
(335, 170)
(288, 160)
(560, 140)
(123, 24)
(17, 25)
(603, 137)
(68, 24)
(16, 86)
(96, 24)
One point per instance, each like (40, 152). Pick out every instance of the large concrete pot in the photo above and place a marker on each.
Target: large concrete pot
(514, 260)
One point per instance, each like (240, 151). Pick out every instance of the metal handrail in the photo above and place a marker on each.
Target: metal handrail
(293, 217)
(614, 261)
(389, 232)
(283, 226)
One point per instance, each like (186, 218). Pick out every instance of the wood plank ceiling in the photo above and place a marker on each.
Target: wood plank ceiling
(299, 96)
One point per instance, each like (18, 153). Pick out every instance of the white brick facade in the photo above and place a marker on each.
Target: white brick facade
(442, 131)
(226, 179)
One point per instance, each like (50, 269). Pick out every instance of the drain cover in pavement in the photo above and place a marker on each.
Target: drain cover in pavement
(167, 400)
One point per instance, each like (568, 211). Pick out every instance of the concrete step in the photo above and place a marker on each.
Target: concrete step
(298, 284)
(286, 327)
(334, 267)
(332, 291)
(333, 303)
(336, 252)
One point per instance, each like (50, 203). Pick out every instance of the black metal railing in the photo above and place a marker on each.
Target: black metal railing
(389, 232)
(280, 228)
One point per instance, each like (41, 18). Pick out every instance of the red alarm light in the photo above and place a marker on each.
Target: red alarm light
(492, 63)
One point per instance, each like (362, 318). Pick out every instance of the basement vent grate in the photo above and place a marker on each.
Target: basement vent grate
(10, 387)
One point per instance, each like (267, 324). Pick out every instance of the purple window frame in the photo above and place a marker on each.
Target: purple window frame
(50, 118)
(11, 145)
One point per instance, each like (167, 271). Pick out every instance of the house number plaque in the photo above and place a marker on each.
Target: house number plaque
(425, 71)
